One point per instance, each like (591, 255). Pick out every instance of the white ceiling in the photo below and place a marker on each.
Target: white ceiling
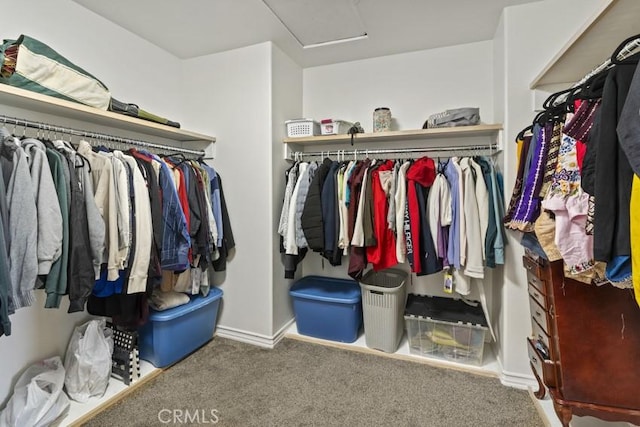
(190, 28)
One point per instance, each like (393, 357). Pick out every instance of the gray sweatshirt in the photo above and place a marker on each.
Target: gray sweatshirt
(23, 220)
(97, 227)
(48, 207)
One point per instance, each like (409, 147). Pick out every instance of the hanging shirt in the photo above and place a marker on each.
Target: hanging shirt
(357, 258)
(474, 244)
(290, 243)
(292, 179)
(5, 278)
(422, 172)
(47, 205)
(104, 191)
(343, 204)
(358, 229)
(391, 215)
(175, 236)
(498, 212)
(123, 200)
(453, 250)
(56, 281)
(462, 239)
(382, 255)
(215, 201)
(400, 204)
(492, 226)
(439, 214)
(139, 265)
(330, 216)
(23, 226)
(482, 198)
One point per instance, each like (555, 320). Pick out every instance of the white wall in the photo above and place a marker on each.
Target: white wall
(527, 44)
(413, 85)
(135, 71)
(243, 97)
(231, 93)
(499, 105)
(286, 103)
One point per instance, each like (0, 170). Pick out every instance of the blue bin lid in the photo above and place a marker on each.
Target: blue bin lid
(196, 302)
(327, 289)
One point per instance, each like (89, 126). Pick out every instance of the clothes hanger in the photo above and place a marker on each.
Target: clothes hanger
(522, 132)
(628, 45)
(551, 99)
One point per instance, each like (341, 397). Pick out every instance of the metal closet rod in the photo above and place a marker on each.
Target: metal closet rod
(95, 135)
(627, 51)
(302, 154)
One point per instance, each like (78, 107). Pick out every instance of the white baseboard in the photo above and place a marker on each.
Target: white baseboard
(517, 380)
(253, 338)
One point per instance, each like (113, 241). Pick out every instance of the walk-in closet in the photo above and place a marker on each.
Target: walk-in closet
(335, 212)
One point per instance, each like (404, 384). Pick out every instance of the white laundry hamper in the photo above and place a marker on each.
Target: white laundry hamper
(384, 296)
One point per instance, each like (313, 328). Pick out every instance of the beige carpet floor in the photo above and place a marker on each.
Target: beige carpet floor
(228, 383)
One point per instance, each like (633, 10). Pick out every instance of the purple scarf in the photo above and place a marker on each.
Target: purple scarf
(528, 207)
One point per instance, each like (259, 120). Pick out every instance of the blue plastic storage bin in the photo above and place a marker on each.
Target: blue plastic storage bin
(327, 308)
(172, 334)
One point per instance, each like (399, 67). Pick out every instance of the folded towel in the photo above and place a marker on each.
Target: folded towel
(165, 300)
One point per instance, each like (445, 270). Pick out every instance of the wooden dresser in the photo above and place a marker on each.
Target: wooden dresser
(591, 337)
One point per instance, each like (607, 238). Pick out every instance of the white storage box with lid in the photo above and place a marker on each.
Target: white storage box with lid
(302, 127)
(384, 296)
(446, 328)
(334, 127)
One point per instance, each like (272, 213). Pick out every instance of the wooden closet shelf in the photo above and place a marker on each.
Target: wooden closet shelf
(401, 135)
(614, 21)
(45, 104)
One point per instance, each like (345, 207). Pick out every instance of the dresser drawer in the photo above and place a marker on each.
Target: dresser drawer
(539, 334)
(533, 267)
(536, 282)
(538, 295)
(539, 314)
(544, 367)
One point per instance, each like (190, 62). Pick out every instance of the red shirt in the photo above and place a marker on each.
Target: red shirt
(383, 254)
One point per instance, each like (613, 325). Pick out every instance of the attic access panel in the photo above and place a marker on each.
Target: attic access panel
(315, 23)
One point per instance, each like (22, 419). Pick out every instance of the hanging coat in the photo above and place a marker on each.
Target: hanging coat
(330, 216)
(382, 255)
(423, 172)
(311, 219)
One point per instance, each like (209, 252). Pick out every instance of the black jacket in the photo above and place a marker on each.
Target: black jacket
(330, 216)
(80, 268)
(312, 224)
(613, 174)
(429, 260)
(228, 242)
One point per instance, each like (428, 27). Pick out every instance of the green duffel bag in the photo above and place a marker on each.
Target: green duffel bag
(32, 65)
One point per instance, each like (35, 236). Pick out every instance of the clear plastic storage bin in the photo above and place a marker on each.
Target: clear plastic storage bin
(433, 330)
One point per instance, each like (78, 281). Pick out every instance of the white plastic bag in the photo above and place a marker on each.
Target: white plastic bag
(38, 399)
(88, 361)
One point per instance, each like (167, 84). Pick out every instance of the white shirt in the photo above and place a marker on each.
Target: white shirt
(401, 200)
(482, 197)
(474, 266)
